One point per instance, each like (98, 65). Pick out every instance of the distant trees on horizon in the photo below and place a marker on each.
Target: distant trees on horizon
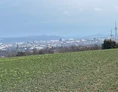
(109, 44)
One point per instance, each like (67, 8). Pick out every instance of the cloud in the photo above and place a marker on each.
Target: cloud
(97, 9)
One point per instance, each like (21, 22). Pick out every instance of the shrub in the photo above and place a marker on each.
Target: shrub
(109, 44)
(21, 53)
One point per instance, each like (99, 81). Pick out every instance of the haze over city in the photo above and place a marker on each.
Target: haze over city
(57, 17)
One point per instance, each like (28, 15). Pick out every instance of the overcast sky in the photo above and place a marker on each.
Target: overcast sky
(57, 17)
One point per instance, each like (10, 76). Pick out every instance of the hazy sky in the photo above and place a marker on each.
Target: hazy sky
(57, 17)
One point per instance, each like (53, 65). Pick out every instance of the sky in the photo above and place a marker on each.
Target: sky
(57, 17)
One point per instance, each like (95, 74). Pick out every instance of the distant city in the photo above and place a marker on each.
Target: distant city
(15, 45)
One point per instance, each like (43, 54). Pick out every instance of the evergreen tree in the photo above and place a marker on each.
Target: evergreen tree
(109, 44)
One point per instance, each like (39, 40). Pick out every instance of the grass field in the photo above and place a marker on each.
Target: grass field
(89, 71)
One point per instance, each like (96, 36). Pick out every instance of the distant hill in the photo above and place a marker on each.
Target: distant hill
(97, 36)
(90, 36)
(7, 40)
(29, 38)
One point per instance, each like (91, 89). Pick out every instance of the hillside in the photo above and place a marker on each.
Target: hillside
(88, 71)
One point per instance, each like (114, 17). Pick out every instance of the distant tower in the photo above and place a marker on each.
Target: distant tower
(33, 42)
(115, 31)
(60, 39)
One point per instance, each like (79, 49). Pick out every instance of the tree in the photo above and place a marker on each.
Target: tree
(109, 44)
(22, 53)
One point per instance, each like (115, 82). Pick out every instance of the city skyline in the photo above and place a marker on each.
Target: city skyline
(57, 17)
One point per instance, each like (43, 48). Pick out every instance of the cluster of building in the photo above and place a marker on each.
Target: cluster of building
(22, 46)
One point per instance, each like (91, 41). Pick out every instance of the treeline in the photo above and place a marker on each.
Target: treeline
(78, 48)
(59, 50)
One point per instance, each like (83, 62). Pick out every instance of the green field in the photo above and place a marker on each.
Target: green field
(89, 71)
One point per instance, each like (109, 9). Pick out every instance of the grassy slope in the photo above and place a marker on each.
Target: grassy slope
(89, 71)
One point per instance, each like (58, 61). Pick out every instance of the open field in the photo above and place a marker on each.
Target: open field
(89, 71)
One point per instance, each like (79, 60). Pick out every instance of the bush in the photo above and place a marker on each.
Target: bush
(78, 48)
(21, 53)
(109, 44)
